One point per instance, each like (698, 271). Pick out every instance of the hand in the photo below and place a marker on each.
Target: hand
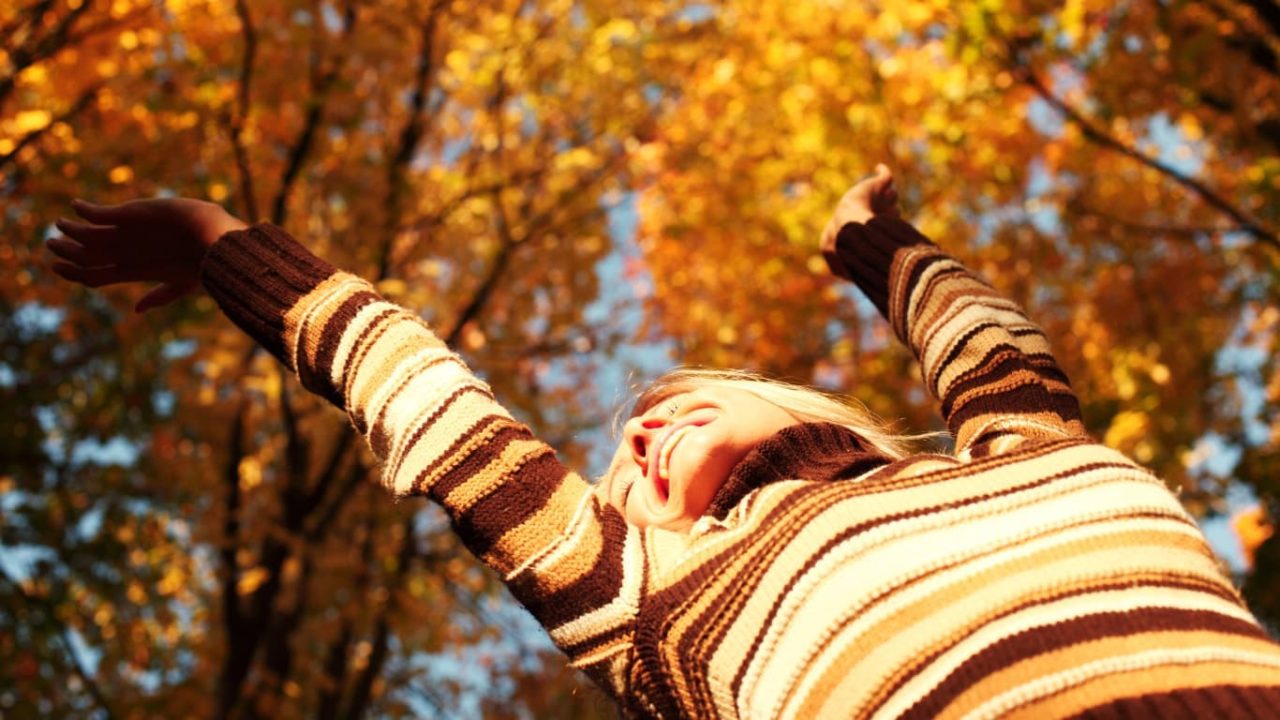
(161, 240)
(869, 198)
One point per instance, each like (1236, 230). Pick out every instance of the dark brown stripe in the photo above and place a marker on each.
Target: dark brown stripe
(517, 499)
(476, 460)
(1231, 702)
(854, 530)
(315, 374)
(1028, 397)
(377, 427)
(597, 588)
(1001, 361)
(1186, 582)
(1049, 638)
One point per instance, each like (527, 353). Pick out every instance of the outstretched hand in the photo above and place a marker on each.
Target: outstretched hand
(158, 241)
(871, 197)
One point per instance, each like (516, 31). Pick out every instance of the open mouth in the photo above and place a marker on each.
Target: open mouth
(660, 471)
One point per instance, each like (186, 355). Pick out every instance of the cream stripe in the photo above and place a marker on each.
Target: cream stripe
(924, 544)
(1062, 610)
(423, 397)
(429, 453)
(621, 610)
(347, 344)
(333, 289)
(583, 519)
(1058, 682)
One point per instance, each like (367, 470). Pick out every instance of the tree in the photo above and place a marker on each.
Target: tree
(185, 531)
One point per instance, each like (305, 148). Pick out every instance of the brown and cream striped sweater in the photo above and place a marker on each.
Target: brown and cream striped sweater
(1033, 573)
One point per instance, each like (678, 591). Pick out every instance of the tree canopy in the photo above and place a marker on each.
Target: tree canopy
(183, 530)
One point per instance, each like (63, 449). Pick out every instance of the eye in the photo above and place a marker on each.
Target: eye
(672, 407)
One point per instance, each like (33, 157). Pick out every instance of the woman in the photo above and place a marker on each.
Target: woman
(754, 550)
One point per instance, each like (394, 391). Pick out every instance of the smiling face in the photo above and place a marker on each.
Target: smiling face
(676, 454)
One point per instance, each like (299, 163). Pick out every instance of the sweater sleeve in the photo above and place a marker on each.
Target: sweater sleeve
(436, 428)
(989, 366)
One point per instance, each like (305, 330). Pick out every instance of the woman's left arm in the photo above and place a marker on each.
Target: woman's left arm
(989, 366)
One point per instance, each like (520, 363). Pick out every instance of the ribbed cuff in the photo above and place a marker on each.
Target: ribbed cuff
(256, 275)
(864, 254)
(808, 451)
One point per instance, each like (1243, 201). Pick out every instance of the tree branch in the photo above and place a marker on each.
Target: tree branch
(1100, 137)
(76, 108)
(415, 127)
(321, 85)
(240, 112)
(64, 638)
(34, 49)
(239, 646)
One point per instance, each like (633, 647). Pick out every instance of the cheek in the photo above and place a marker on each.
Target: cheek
(705, 464)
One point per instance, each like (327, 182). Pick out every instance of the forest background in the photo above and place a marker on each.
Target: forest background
(576, 193)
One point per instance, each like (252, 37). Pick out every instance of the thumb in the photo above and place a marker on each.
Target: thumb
(163, 295)
(101, 214)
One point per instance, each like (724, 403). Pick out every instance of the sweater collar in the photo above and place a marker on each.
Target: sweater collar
(808, 451)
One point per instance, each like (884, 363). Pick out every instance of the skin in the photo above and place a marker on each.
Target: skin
(706, 432)
(160, 241)
(675, 456)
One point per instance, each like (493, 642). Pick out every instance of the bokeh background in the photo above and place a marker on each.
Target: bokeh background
(577, 193)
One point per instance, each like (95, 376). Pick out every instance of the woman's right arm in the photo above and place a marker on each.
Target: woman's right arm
(573, 561)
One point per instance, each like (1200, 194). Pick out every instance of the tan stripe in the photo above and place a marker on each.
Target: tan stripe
(498, 470)
(893, 645)
(915, 546)
(331, 289)
(549, 526)
(1153, 680)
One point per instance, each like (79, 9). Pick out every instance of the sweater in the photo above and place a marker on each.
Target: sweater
(1033, 572)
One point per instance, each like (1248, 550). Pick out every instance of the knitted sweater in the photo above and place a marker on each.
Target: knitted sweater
(1034, 572)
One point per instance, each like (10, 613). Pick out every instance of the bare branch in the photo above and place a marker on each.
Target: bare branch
(415, 127)
(1099, 136)
(240, 113)
(36, 48)
(321, 84)
(239, 648)
(76, 108)
(64, 638)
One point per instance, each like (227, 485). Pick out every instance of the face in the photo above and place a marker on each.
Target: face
(676, 455)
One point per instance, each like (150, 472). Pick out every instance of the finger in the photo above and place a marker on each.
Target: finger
(99, 276)
(101, 214)
(163, 295)
(85, 233)
(76, 253)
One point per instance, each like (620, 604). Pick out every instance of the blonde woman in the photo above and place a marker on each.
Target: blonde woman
(757, 549)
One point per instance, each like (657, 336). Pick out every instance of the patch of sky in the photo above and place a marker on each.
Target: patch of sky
(453, 150)
(8, 378)
(177, 349)
(33, 319)
(1171, 146)
(330, 18)
(115, 451)
(696, 12)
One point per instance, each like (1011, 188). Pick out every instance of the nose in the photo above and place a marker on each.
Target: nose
(638, 433)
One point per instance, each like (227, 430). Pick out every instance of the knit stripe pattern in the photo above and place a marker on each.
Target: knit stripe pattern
(1033, 573)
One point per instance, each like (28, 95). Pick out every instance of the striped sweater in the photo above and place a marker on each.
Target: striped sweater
(1033, 573)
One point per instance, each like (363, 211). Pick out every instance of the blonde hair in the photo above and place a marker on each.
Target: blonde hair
(804, 403)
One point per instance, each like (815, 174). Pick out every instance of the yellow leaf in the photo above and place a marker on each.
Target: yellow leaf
(251, 580)
(31, 120)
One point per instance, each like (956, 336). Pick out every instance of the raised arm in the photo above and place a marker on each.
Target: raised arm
(981, 357)
(435, 426)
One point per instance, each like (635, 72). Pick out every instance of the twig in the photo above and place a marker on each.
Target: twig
(1100, 137)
